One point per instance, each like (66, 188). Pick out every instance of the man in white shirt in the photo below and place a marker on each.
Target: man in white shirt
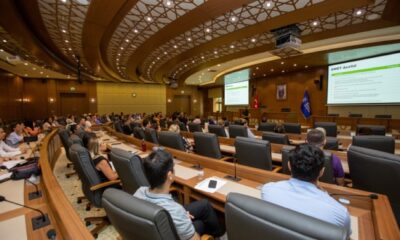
(302, 194)
(16, 137)
(6, 151)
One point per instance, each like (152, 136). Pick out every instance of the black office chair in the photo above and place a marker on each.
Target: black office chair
(386, 116)
(172, 140)
(355, 115)
(292, 128)
(134, 218)
(331, 144)
(254, 153)
(250, 218)
(193, 127)
(207, 145)
(138, 133)
(330, 128)
(327, 177)
(376, 171)
(92, 187)
(118, 126)
(66, 142)
(150, 135)
(266, 127)
(182, 126)
(237, 131)
(217, 129)
(381, 143)
(375, 129)
(135, 124)
(277, 138)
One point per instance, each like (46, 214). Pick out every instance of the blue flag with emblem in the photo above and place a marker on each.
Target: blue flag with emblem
(305, 105)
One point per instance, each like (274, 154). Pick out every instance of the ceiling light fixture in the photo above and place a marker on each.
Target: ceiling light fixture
(268, 4)
(208, 30)
(282, 63)
(126, 40)
(202, 57)
(41, 72)
(4, 40)
(219, 65)
(295, 65)
(232, 46)
(189, 39)
(1, 50)
(253, 40)
(149, 19)
(315, 23)
(168, 3)
(233, 19)
(66, 41)
(26, 64)
(165, 53)
(359, 12)
(135, 31)
(175, 46)
(34, 69)
(215, 52)
(272, 69)
(257, 68)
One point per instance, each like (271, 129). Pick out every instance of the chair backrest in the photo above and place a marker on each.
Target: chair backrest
(87, 173)
(253, 152)
(376, 171)
(150, 135)
(278, 138)
(237, 131)
(134, 218)
(194, 127)
(118, 126)
(171, 139)
(75, 139)
(358, 115)
(381, 143)
(182, 126)
(330, 128)
(327, 177)
(129, 168)
(292, 127)
(388, 116)
(217, 129)
(256, 219)
(207, 145)
(64, 137)
(375, 129)
(266, 127)
(332, 143)
(138, 132)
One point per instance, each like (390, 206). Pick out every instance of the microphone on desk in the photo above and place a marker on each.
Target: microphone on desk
(51, 234)
(35, 194)
(234, 177)
(37, 222)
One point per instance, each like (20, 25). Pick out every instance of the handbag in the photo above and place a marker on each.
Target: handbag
(26, 170)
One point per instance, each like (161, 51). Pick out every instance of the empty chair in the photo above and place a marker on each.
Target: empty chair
(251, 218)
(150, 135)
(254, 153)
(357, 115)
(207, 145)
(292, 128)
(172, 140)
(277, 138)
(217, 130)
(129, 169)
(327, 177)
(266, 127)
(118, 126)
(383, 116)
(330, 128)
(381, 143)
(134, 218)
(92, 186)
(194, 127)
(331, 143)
(374, 129)
(138, 132)
(237, 131)
(376, 171)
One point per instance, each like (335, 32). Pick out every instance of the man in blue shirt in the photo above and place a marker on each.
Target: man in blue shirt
(302, 194)
(191, 221)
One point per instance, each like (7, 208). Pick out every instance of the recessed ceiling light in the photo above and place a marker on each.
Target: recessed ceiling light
(215, 52)
(70, 49)
(1, 50)
(193, 61)
(175, 46)
(359, 12)
(41, 72)
(233, 19)
(295, 65)
(26, 64)
(232, 46)
(64, 1)
(306, 66)
(168, 3)
(66, 41)
(254, 74)
(283, 71)
(264, 74)
(165, 53)
(208, 30)
(135, 31)
(34, 69)
(126, 40)
(119, 54)
(25, 75)
(149, 19)
(185, 65)
(202, 57)
(268, 4)
(64, 31)
(4, 40)
(257, 68)
(253, 40)
(315, 23)
(282, 63)
(122, 48)
(189, 39)
(158, 58)
(272, 69)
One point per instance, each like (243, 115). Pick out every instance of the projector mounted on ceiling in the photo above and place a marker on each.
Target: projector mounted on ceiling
(287, 41)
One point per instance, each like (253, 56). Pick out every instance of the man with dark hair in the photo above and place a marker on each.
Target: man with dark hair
(191, 221)
(17, 136)
(302, 194)
(317, 137)
(146, 123)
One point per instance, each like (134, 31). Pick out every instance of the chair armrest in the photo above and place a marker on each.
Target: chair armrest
(104, 184)
(206, 237)
(227, 159)
(277, 169)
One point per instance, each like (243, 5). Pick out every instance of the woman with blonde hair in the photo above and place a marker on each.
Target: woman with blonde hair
(175, 128)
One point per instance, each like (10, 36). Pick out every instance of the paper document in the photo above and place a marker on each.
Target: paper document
(203, 185)
(185, 172)
(13, 163)
(354, 228)
(5, 176)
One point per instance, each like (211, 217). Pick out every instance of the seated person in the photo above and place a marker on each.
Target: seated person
(317, 137)
(101, 163)
(146, 124)
(302, 194)
(175, 128)
(6, 151)
(279, 128)
(126, 128)
(30, 128)
(88, 122)
(250, 134)
(48, 124)
(195, 219)
(17, 136)
(196, 120)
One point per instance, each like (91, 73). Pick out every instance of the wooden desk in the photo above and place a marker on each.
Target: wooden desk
(375, 217)
(352, 122)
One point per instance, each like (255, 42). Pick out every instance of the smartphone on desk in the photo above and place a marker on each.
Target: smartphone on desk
(212, 184)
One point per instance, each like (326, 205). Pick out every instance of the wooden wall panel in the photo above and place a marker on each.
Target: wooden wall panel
(196, 95)
(35, 101)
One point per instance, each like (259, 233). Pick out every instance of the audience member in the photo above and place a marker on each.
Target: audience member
(126, 128)
(175, 128)
(7, 152)
(17, 136)
(31, 129)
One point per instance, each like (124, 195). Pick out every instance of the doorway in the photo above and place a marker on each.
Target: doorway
(181, 103)
(73, 103)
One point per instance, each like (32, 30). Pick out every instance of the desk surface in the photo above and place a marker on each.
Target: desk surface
(375, 217)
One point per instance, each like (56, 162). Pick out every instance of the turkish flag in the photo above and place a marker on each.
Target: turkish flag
(255, 102)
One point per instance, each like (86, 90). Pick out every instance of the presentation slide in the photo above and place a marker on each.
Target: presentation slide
(369, 81)
(237, 88)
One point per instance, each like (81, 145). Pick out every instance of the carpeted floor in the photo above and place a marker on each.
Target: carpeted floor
(72, 188)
